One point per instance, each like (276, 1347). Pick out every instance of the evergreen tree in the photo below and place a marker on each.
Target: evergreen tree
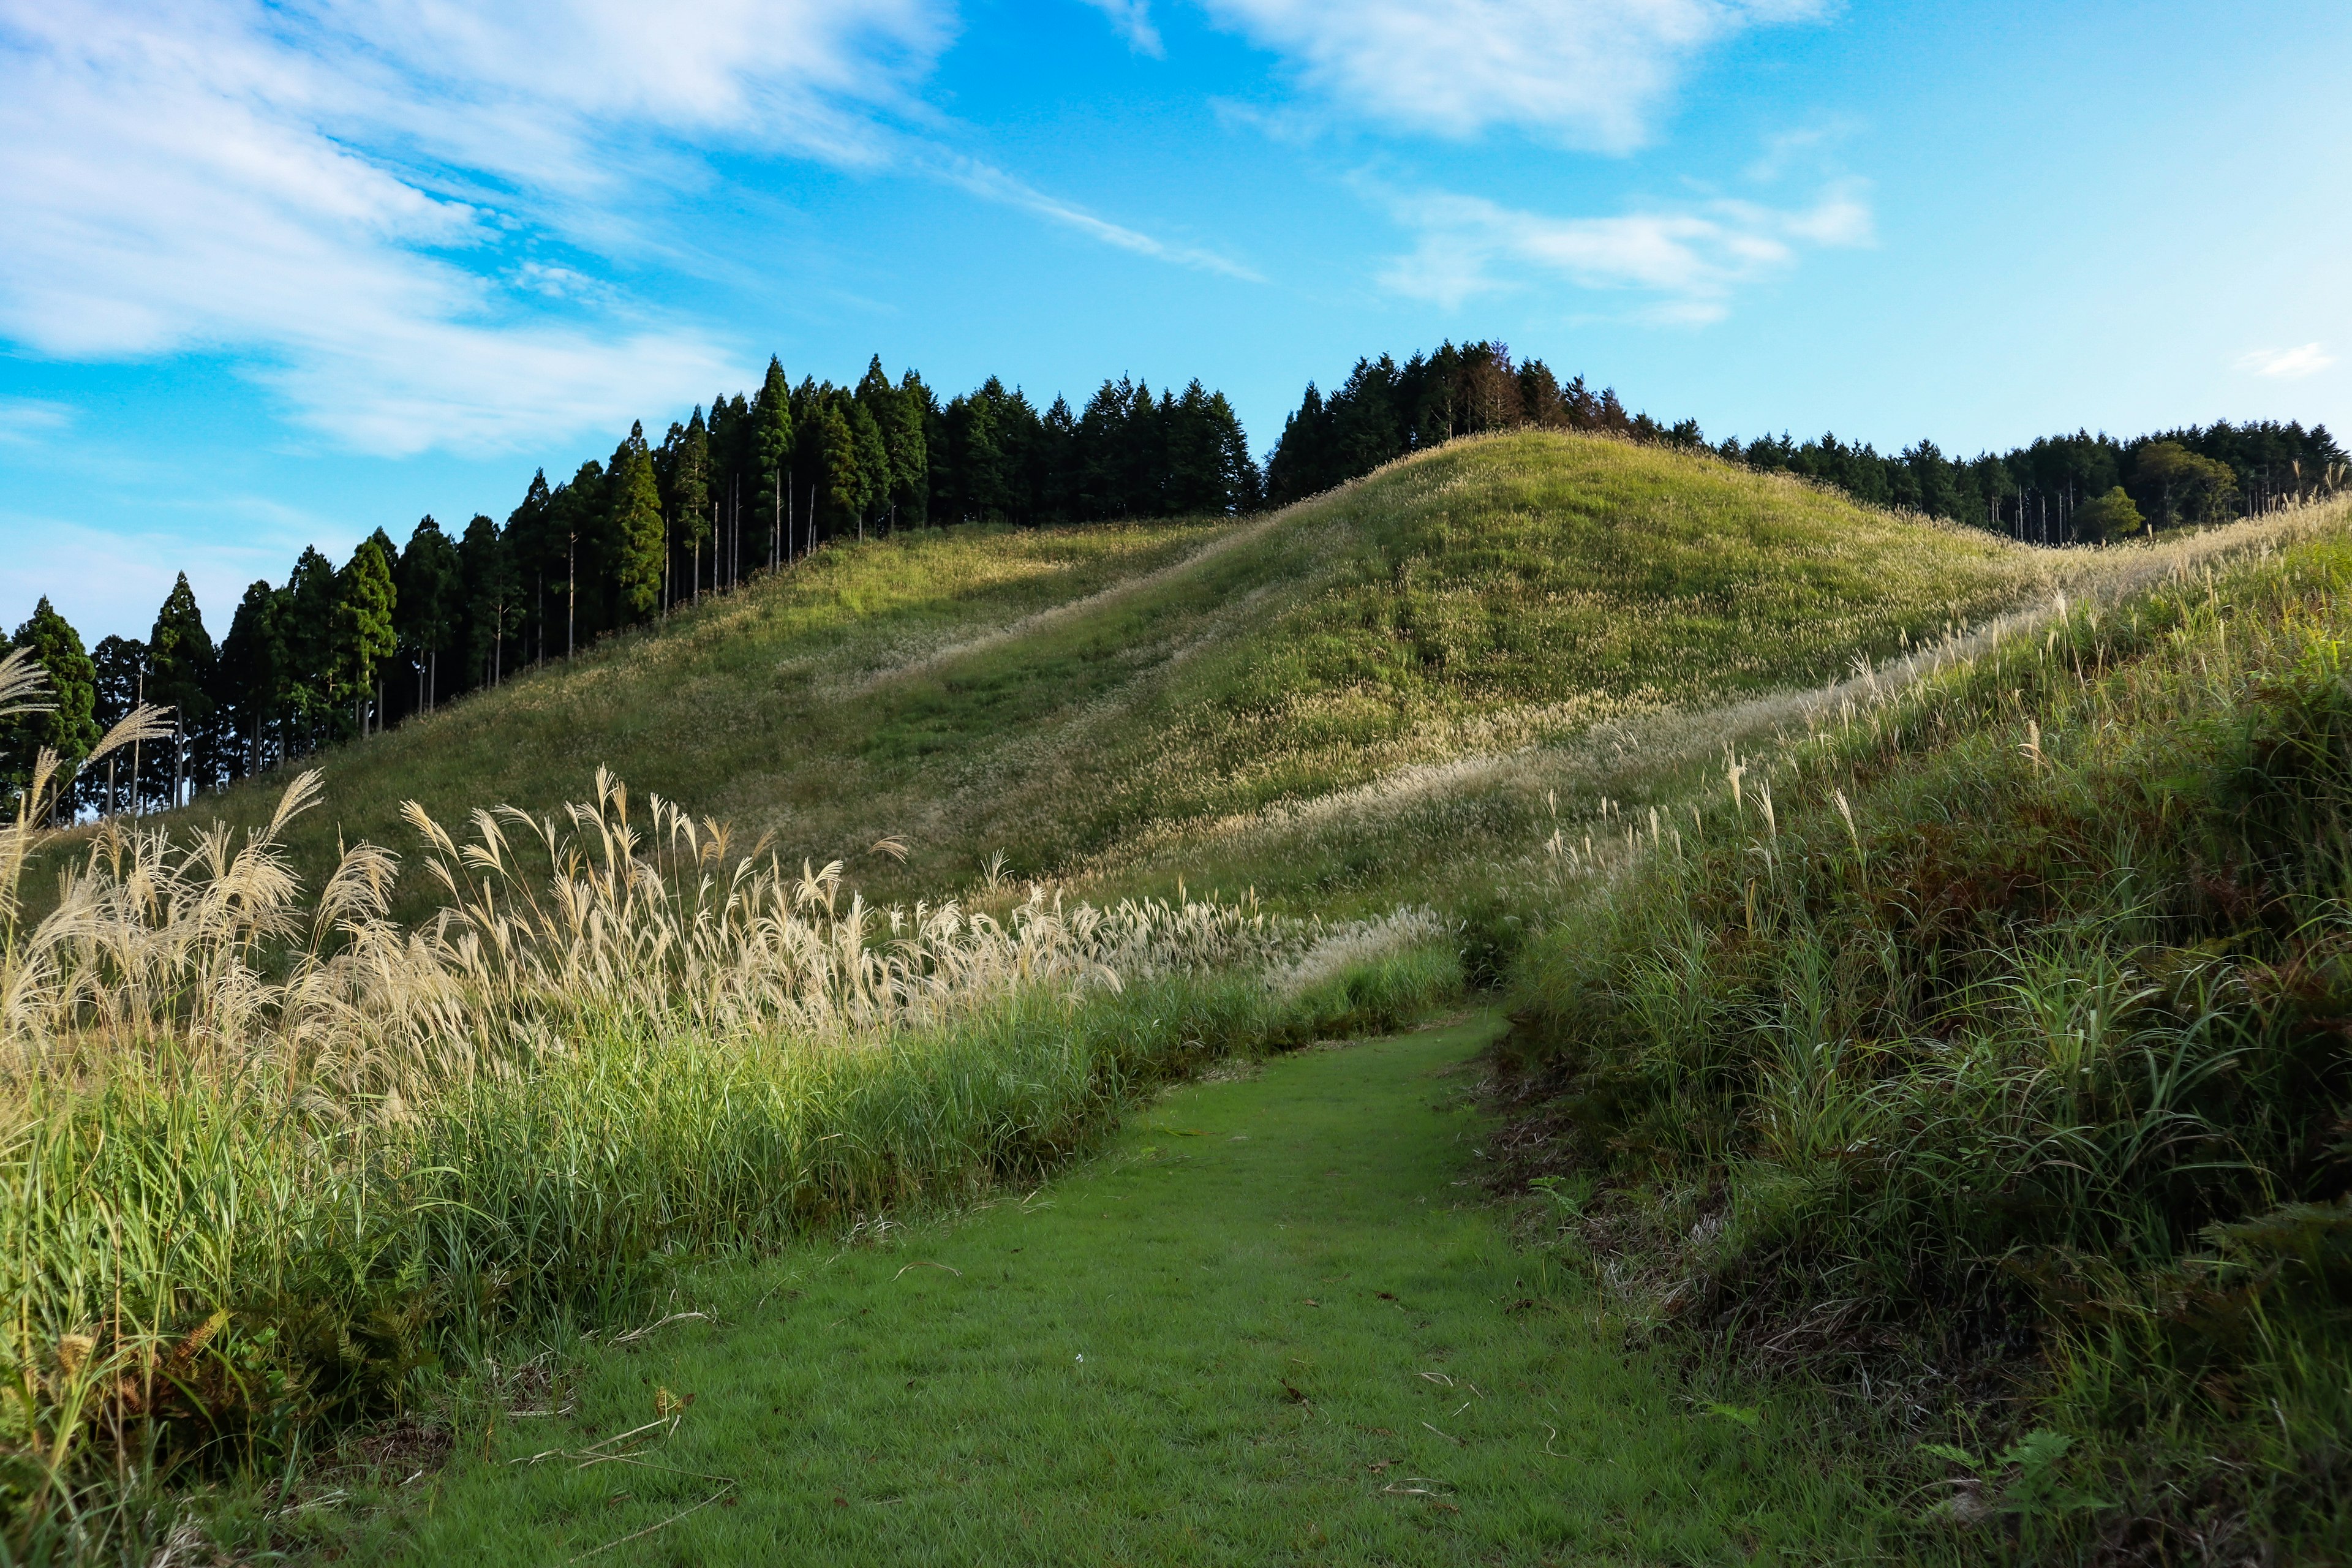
(689, 500)
(119, 667)
(426, 590)
(842, 501)
(771, 460)
(538, 558)
(902, 476)
(308, 615)
(69, 728)
(577, 518)
(640, 539)
(978, 489)
(908, 436)
(251, 678)
(873, 460)
(731, 460)
(180, 659)
(493, 601)
(365, 600)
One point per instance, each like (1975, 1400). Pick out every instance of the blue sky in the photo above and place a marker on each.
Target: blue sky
(280, 273)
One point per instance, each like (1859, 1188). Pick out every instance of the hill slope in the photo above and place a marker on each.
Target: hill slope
(1097, 699)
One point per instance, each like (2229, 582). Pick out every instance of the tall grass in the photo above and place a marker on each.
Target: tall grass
(270, 1159)
(2002, 1019)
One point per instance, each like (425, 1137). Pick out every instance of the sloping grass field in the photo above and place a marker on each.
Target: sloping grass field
(1103, 699)
(1923, 966)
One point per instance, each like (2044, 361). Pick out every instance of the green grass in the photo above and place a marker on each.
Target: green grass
(1365, 700)
(2004, 1058)
(1110, 702)
(1226, 1341)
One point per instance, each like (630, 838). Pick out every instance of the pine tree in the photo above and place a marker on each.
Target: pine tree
(842, 501)
(578, 519)
(119, 670)
(903, 473)
(491, 591)
(533, 550)
(180, 657)
(979, 491)
(640, 541)
(251, 678)
(69, 728)
(426, 589)
(689, 499)
(364, 636)
(910, 440)
(308, 616)
(771, 459)
(873, 461)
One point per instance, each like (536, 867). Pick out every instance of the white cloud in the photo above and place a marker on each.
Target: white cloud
(997, 185)
(53, 557)
(1588, 72)
(350, 193)
(1132, 21)
(2288, 365)
(26, 421)
(1690, 259)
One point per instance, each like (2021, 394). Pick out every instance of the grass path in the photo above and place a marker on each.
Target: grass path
(1272, 1322)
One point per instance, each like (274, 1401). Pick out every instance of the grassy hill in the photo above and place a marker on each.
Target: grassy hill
(1121, 704)
(262, 1185)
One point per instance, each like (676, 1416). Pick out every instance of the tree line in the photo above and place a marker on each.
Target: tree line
(748, 485)
(2062, 490)
(756, 481)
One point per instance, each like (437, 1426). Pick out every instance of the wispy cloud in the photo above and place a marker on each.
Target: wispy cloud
(1132, 19)
(995, 185)
(1687, 260)
(2288, 365)
(27, 421)
(52, 557)
(377, 202)
(1590, 73)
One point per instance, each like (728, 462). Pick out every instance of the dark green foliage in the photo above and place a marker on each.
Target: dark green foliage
(69, 727)
(684, 473)
(640, 541)
(427, 608)
(492, 600)
(180, 677)
(363, 635)
(2038, 493)
(252, 677)
(579, 521)
(771, 460)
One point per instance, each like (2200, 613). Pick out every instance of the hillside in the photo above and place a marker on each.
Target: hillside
(1121, 701)
(277, 1179)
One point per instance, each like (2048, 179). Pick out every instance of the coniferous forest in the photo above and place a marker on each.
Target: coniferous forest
(758, 480)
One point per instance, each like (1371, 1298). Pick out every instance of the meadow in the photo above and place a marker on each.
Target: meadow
(939, 855)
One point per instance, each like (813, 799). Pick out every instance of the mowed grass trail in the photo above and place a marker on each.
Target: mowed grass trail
(1275, 1322)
